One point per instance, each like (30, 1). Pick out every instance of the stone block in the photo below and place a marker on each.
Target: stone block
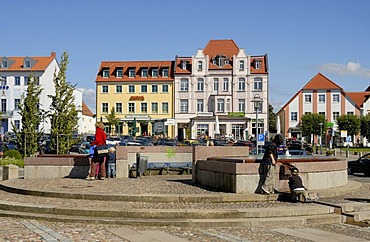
(10, 172)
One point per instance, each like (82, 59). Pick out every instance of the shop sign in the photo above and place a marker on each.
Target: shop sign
(136, 98)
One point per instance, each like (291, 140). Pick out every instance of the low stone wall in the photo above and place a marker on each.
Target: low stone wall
(241, 175)
(77, 166)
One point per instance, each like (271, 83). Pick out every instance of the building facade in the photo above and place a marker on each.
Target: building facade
(140, 94)
(215, 89)
(322, 96)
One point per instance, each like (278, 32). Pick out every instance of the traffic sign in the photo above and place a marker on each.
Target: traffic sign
(261, 138)
(348, 139)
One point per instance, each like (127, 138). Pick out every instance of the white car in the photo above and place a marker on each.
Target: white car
(113, 140)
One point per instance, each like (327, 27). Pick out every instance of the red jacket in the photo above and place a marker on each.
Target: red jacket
(100, 137)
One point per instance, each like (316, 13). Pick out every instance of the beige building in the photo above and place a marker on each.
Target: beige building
(141, 95)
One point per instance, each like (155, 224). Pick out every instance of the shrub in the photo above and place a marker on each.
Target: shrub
(329, 152)
(12, 154)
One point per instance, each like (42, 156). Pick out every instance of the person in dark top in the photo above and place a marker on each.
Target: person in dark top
(268, 163)
(111, 162)
(296, 186)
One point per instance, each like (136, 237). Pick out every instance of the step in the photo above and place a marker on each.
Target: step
(246, 222)
(168, 213)
(359, 216)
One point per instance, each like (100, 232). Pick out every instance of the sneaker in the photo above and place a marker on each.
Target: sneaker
(90, 178)
(101, 178)
(265, 191)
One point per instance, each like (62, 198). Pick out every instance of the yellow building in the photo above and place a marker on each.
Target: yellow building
(141, 95)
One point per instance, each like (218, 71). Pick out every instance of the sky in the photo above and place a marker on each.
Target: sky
(301, 38)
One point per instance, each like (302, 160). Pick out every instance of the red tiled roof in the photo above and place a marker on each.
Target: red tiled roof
(225, 47)
(178, 68)
(85, 110)
(321, 82)
(263, 69)
(358, 97)
(42, 62)
(137, 65)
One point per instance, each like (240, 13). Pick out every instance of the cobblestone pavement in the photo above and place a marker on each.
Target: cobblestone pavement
(18, 229)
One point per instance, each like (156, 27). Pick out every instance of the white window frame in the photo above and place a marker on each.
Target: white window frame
(200, 85)
(165, 72)
(143, 88)
(131, 88)
(241, 105)
(154, 107)
(155, 73)
(119, 73)
(106, 73)
(321, 98)
(119, 108)
(241, 84)
(257, 64)
(215, 84)
(184, 85)
(144, 73)
(118, 88)
(336, 98)
(294, 116)
(104, 107)
(184, 106)
(165, 88)
(307, 98)
(144, 107)
(335, 116)
(241, 65)
(154, 88)
(17, 81)
(200, 65)
(165, 107)
(131, 72)
(104, 89)
(220, 105)
(257, 84)
(225, 84)
(200, 105)
(131, 107)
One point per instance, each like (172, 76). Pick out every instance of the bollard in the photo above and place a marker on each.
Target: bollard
(359, 154)
(334, 152)
(347, 153)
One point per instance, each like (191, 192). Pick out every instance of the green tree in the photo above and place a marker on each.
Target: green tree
(112, 119)
(365, 126)
(310, 124)
(63, 111)
(272, 120)
(350, 122)
(28, 136)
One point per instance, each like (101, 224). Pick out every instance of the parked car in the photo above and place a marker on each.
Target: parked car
(80, 148)
(167, 142)
(281, 149)
(113, 140)
(191, 142)
(361, 165)
(299, 153)
(11, 145)
(219, 142)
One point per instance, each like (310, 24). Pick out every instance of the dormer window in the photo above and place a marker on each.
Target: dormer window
(241, 65)
(165, 72)
(27, 64)
(227, 62)
(183, 65)
(119, 73)
(200, 65)
(106, 73)
(4, 64)
(257, 64)
(131, 72)
(155, 72)
(144, 72)
(220, 60)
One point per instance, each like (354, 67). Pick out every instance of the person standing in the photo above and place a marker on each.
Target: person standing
(1, 146)
(267, 166)
(111, 162)
(97, 160)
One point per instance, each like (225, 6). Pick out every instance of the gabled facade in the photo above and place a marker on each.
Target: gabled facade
(14, 73)
(322, 96)
(220, 80)
(87, 121)
(141, 94)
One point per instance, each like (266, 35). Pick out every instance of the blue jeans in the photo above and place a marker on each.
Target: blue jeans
(111, 170)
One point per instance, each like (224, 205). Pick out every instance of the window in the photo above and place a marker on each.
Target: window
(335, 115)
(336, 98)
(321, 98)
(183, 106)
(118, 89)
(5, 64)
(17, 81)
(322, 113)
(104, 108)
(258, 84)
(104, 89)
(4, 82)
(165, 88)
(257, 64)
(184, 85)
(155, 73)
(27, 64)
(3, 105)
(215, 84)
(200, 106)
(241, 84)
(200, 65)
(26, 80)
(17, 101)
(183, 65)
(144, 88)
(105, 73)
(220, 105)
(200, 85)
(293, 116)
(241, 105)
(144, 73)
(202, 129)
(144, 108)
(131, 72)
(307, 98)
(241, 65)
(17, 124)
(154, 107)
(165, 107)
(225, 85)
(131, 89)
(165, 72)
(350, 113)
(228, 105)
(119, 73)
(131, 107)
(155, 88)
(118, 107)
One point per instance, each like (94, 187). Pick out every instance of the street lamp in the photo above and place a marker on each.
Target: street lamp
(257, 100)
(321, 124)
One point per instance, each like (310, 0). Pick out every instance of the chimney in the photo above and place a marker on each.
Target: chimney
(53, 54)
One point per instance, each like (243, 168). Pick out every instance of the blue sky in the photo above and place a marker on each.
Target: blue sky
(301, 38)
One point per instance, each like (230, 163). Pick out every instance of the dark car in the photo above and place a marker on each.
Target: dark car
(11, 145)
(361, 165)
(168, 142)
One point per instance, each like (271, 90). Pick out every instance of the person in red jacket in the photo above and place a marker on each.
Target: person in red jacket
(100, 139)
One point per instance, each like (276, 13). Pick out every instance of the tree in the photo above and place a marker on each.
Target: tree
(310, 124)
(63, 111)
(112, 120)
(29, 109)
(365, 126)
(272, 120)
(350, 122)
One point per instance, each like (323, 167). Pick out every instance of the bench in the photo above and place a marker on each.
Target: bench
(166, 166)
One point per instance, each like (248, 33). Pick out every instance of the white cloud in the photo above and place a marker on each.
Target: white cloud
(88, 96)
(350, 69)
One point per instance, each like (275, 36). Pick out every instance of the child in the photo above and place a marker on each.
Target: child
(111, 162)
(296, 186)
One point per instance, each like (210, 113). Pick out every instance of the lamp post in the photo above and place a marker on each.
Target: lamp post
(321, 124)
(257, 100)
